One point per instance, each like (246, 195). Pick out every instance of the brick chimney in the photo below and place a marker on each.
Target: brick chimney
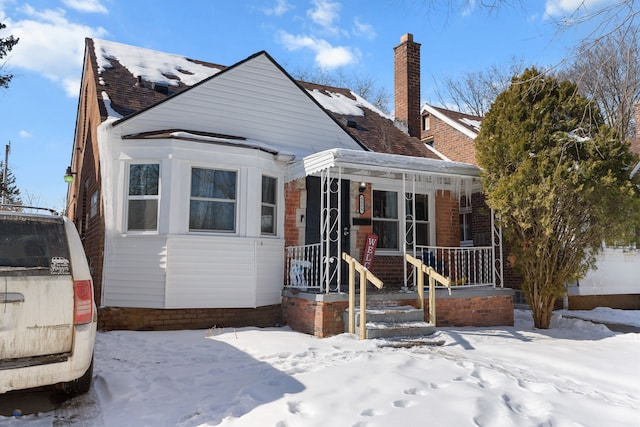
(406, 86)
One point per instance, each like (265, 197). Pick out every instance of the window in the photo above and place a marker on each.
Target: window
(426, 122)
(213, 200)
(144, 182)
(385, 219)
(268, 213)
(421, 219)
(429, 141)
(466, 230)
(93, 206)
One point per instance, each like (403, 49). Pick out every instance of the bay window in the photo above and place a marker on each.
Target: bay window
(212, 204)
(143, 195)
(268, 208)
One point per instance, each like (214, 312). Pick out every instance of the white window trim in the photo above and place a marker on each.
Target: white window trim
(400, 221)
(127, 197)
(236, 201)
(464, 211)
(429, 215)
(276, 211)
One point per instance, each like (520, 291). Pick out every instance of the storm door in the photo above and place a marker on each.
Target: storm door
(328, 223)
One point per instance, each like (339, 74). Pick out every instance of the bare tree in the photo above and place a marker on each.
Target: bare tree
(474, 92)
(608, 72)
(362, 85)
(6, 44)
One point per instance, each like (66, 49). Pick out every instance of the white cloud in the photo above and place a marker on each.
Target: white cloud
(327, 56)
(91, 6)
(325, 14)
(568, 7)
(51, 45)
(363, 30)
(24, 134)
(281, 7)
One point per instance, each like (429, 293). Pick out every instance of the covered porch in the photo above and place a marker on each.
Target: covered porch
(380, 207)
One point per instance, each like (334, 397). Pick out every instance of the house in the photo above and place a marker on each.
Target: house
(615, 282)
(211, 195)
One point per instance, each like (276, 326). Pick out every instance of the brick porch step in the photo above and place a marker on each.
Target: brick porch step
(392, 322)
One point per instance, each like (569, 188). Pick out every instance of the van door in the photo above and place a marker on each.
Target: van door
(36, 289)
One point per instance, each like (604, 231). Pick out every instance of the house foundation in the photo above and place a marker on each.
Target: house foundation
(152, 319)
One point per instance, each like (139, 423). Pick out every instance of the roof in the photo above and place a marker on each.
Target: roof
(130, 80)
(453, 176)
(465, 123)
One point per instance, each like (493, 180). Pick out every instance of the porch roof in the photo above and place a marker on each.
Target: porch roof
(371, 165)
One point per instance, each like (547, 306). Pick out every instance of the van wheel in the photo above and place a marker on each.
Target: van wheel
(82, 384)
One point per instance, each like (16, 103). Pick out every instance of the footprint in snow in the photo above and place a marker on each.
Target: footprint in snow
(403, 403)
(370, 412)
(415, 392)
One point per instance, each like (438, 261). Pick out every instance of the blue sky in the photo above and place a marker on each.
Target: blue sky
(38, 110)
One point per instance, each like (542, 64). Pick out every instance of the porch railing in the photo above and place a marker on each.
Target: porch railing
(302, 267)
(464, 266)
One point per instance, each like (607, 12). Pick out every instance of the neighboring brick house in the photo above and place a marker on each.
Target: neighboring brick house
(450, 132)
(201, 190)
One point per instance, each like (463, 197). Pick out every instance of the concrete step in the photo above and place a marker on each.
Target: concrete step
(401, 329)
(394, 314)
(391, 322)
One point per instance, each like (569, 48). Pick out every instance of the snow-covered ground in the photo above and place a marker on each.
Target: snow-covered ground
(575, 374)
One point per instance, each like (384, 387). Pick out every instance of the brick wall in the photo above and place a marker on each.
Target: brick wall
(450, 141)
(147, 319)
(589, 302)
(295, 199)
(447, 219)
(314, 317)
(87, 182)
(473, 311)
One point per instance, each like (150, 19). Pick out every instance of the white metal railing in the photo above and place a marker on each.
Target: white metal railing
(303, 266)
(465, 266)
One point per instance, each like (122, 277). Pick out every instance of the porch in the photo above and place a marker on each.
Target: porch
(379, 208)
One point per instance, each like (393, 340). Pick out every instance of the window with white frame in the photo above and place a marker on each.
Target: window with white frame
(426, 121)
(212, 204)
(268, 209)
(385, 219)
(420, 218)
(466, 229)
(143, 197)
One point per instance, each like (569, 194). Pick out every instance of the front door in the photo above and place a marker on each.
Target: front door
(314, 215)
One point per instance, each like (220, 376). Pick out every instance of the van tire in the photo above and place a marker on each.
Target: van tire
(81, 385)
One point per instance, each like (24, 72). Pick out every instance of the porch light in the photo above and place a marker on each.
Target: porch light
(363, 186)
(68, 175)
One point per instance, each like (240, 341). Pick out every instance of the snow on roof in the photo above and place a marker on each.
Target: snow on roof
(107, 103)
(151, 65)
(341, 104)
(241, 142)
(473, 123)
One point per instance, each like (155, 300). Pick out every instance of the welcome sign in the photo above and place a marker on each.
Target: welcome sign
(369, 251)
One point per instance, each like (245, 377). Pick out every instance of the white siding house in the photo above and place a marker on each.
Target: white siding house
(155, 255)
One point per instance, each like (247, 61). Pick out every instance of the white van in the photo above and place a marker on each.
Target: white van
(48, 315)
